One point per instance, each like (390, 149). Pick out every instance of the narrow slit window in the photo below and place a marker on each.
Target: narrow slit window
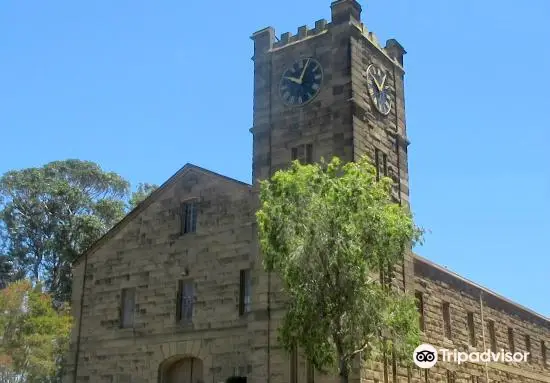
(511, 342)
(543, 353)
(188, 217)
(185, 301)
(420, 307)
(492, 335)
(128, 304)
(310, 373)
(451, 376)
(244, 292)
(309, 154)
(446, 309)
(381, 163)
(471, 329)
(528, 348)
(294, 365)
(294, 154)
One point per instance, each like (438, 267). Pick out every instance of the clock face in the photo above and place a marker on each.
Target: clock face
(379, 91)
(301, 82)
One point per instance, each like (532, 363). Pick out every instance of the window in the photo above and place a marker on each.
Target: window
(381, 162)
(451, 376)
(472, 329)
(128, 303)
(302, 153)
(492, 335)
(188, 217)
(185, 301)
(528, 348)
(420, 307)
(511, 343)
(244, 292)
(294, 365)
(310, 373)
(543, 353)
(447, 319)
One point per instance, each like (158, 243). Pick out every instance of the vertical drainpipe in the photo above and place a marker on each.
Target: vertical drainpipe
(77, 352)
(270, 162)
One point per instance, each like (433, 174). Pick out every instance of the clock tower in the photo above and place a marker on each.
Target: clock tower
(330, 90)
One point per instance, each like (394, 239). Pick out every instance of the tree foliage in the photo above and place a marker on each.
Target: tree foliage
(51, 214)
(143, 191)
(329, 231)
(33, 334)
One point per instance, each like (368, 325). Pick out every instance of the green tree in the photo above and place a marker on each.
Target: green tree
(329, 231)
(51, 214)
(143, 191)
(33, 334)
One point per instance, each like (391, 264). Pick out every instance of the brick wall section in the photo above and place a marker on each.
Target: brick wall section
(150, 255)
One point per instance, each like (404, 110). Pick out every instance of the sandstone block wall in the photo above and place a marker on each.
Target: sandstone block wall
(149, 254)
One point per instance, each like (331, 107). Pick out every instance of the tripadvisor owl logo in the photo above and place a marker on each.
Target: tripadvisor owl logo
(425, 356)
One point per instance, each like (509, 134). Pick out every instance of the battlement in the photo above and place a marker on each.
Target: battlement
(303, 33)
(342, 12)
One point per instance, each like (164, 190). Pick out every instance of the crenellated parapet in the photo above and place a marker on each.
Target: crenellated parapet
(343, 12)
(303, 32)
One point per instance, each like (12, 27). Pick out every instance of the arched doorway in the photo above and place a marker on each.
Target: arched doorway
(182, 370)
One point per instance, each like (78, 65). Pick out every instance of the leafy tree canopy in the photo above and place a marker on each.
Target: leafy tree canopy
(51, 214)
(143, 191)
(329, 231)
(33, 334)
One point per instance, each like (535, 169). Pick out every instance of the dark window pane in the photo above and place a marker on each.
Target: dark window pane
(309, 154)
(420, 307)
(447, 320)
(188, 217)
(511, 342)
(471, 329)
(128, 298)
(186, 300)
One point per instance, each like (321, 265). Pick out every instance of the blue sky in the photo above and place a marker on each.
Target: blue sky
(143, 87)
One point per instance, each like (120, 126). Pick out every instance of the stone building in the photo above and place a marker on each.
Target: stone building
(176, 291)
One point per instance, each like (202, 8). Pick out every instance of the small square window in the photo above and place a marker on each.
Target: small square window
(302, 153)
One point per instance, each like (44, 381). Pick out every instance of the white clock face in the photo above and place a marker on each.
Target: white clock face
(379, 91)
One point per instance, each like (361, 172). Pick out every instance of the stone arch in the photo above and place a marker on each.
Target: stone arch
(183, 368)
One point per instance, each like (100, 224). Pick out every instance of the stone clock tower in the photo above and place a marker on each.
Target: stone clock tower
(328, 91)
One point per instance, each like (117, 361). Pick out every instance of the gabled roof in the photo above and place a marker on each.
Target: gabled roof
(186, 169)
